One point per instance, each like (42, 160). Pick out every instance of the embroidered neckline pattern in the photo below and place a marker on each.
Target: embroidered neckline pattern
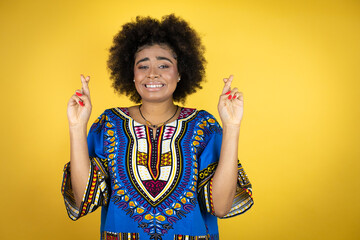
(184, 112)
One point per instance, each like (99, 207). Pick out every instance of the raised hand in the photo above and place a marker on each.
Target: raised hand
(79, 105)
(231, 104)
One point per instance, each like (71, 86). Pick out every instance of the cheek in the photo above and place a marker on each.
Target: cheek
(173, 73)
(137, 74)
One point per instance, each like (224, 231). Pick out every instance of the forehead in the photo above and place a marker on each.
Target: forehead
(155, 51)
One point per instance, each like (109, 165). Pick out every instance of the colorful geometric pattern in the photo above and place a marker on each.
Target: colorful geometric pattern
(187, 237)
(119, 236)
(140, 131)
(153, 177)
(165, 159)
(186, 112)
(142, 158)
(159, 182)
(168, 132)
(95, 194)
(243, 199)
(206, 174)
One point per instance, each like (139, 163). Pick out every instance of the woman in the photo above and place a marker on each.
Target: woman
(152, 166)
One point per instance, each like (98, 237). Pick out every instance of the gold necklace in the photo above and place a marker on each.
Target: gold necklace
(158, 125)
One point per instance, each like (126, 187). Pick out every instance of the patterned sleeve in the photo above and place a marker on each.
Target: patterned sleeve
(96, 192)
(208, 161)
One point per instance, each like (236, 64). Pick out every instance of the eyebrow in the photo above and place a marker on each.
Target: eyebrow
(142, 60)
(158, 58)
(164, 58)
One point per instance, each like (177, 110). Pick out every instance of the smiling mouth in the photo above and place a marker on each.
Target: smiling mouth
(154, 85)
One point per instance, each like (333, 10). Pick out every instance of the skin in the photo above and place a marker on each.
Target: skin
(230, 109)
(156, 65)
(78, 117)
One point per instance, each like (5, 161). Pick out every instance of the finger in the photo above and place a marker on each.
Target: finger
(76, 100)
(72, 101)
(83, 100)
(85, 85)
(231, 93)
(234, 90)
(224, 97)
(86, 100)
(78, 92)
(227, 86)
(234, 94)
(238, 95)
(80, 100)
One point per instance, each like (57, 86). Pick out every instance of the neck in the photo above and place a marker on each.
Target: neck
(158, 112)
(159, 109)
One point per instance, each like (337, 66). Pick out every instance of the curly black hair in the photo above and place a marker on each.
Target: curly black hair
(171, 31)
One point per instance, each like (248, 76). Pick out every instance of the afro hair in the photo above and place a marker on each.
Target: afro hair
(171, 31)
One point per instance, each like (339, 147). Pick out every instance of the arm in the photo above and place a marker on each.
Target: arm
(78, 112)
(225, 178)
(80, 164)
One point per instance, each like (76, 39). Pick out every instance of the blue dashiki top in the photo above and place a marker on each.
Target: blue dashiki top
(154, 184)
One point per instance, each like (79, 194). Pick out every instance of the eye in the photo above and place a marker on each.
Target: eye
(162, 66)
(143, 67)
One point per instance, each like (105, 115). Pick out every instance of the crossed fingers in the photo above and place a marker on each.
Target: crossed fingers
(82, 97)
(228, 93)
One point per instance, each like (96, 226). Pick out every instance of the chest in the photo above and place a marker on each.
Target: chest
(152, 164)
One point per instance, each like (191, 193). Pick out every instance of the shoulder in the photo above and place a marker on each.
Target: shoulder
(110, 113)
(206, 121)
(105, 117)
(206, 116)
(124, 110)
(199, 114)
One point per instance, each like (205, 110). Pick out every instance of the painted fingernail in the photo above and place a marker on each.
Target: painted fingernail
(79, 94)
(234, 96)
(228, 92)
(229, 97)
(81, 103)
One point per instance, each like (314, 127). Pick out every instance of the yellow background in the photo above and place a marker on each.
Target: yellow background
(297, 63)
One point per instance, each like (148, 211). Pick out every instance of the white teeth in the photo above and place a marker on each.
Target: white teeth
(153, 86)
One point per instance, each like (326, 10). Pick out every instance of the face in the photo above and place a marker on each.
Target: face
(155, 73)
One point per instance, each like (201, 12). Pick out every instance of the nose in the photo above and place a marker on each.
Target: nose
(153, 74)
